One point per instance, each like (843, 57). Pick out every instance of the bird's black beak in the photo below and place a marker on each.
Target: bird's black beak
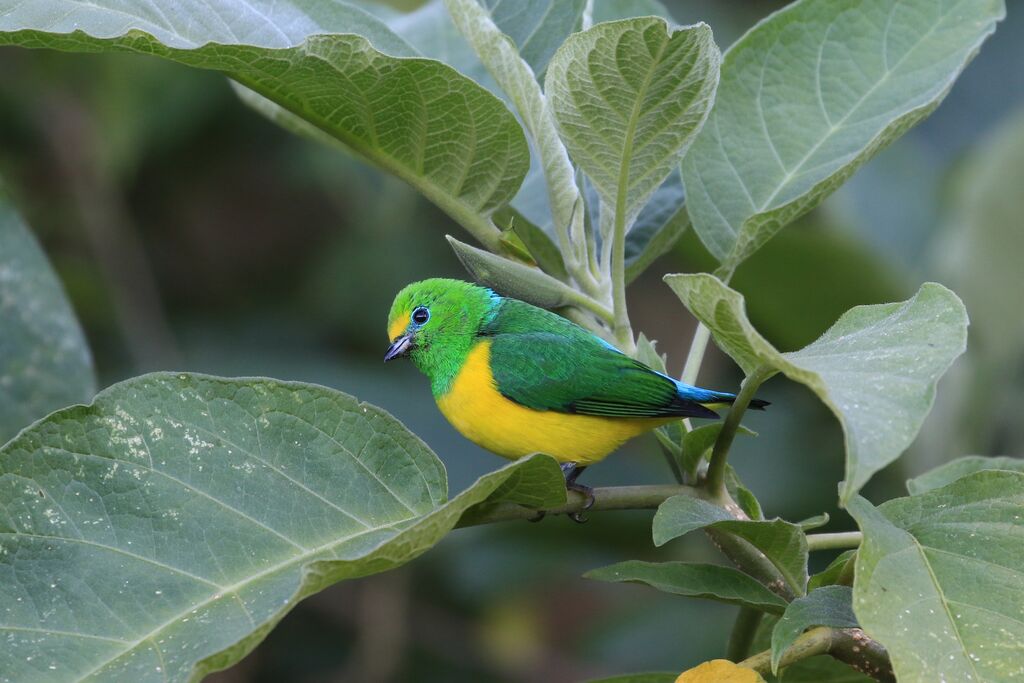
(399, 348)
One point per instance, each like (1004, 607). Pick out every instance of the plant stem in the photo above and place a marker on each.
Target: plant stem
(701, 337)
(749, 559)
(850, 646)
(502, 60)
(623, 331)
(716, 468)
(817, 641)
(743, 631)
(841, 541)
(694, 358)
(587, 303)
(610, 498)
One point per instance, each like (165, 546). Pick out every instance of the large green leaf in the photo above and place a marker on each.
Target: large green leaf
(827, 606)
(629, 97)
(783, 544)
(711, 581)
(809, 95)
(876, 368)
(331, 65)
(939, 580)
(159, 533)
(44, 359)
(961, 467)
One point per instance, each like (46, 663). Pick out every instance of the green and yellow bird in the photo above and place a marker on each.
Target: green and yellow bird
(517, 379)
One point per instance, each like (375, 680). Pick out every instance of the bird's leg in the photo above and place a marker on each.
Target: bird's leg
(571, 471)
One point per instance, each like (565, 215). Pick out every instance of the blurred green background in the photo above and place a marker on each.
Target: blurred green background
(192, 234)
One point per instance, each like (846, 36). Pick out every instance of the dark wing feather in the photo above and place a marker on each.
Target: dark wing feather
(579, 373)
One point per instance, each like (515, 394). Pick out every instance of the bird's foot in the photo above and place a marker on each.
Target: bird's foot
(588, 494)
(571, 471)
(541, 514)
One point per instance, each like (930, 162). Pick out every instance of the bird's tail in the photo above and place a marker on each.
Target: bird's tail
(716, 399)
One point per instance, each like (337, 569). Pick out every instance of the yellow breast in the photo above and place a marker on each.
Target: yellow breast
(475, 407)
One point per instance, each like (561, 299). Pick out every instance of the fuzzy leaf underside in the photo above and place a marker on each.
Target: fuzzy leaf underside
(809, 95)
(783, 544)
(629, 96)
(713, 582)
(876, 368)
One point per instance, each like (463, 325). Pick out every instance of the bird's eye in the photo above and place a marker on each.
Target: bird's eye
(420, 316)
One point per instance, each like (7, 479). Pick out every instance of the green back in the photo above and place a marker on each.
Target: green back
(543, 361)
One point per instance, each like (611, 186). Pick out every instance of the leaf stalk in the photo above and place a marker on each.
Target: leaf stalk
(743, 631)
(699, 344)
(850, 646)
(501, 58)
(837, 541)
(715, 482)
(695, 357)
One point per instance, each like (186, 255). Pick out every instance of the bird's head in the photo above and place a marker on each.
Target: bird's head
(435, 322)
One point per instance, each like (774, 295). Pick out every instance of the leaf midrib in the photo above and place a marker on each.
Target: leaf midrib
(232, 589)
(627, 146)
(839, 124)
(945, 603)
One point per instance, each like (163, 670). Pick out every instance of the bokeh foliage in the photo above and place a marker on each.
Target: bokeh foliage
(229, 278)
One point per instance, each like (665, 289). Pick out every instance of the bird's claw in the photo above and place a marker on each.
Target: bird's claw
(588, 495)
(571, 470)
(541, 514)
